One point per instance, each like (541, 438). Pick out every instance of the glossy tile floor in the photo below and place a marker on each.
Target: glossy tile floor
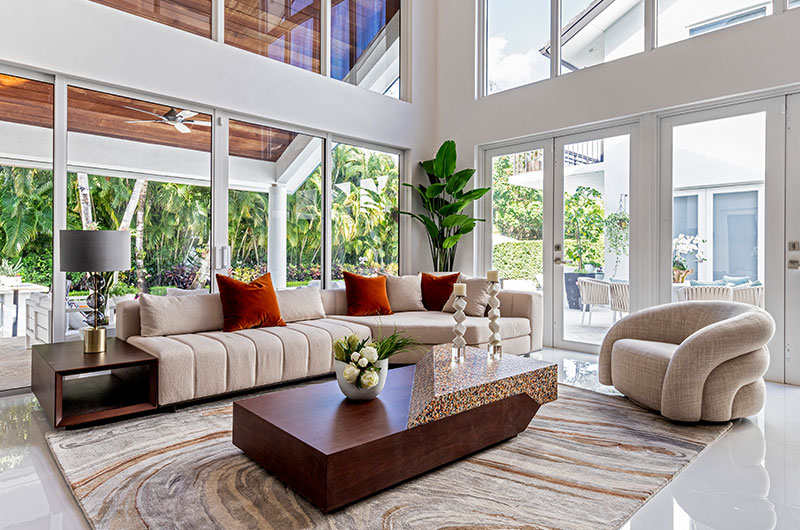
(748, 480)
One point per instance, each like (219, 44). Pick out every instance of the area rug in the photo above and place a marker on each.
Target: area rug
(587, 461)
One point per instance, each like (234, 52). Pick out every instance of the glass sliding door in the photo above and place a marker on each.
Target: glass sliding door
(365, 230)
(592, 236)
(720, 170)
(26, 224)
(144, 167)
(274, 204)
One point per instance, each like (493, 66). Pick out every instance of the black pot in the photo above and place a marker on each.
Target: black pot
(571, 285)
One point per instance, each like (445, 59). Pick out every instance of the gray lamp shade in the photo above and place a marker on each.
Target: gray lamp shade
(95, 250)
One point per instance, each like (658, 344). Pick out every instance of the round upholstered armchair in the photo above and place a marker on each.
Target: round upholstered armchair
(691, 361)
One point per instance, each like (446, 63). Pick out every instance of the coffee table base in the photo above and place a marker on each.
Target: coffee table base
(332, 478)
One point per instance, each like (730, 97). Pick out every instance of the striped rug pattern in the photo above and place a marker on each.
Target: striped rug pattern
(587, 461)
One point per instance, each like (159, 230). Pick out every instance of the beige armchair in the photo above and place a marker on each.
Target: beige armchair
(691, 361)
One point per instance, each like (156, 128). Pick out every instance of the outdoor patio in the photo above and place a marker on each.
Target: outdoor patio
(15, 370)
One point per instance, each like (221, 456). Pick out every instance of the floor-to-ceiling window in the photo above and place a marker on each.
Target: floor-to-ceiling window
(26, 222)
(365, 232)
(144, 167)
(275, 204)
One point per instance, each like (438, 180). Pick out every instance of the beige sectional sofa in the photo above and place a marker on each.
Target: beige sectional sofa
(197, 365)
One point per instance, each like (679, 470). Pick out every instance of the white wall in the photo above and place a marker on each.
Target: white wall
(743, 59)
(88, 41)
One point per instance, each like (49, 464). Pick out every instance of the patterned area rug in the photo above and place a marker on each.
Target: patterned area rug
(587, 461)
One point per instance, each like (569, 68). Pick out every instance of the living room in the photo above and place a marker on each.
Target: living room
(567, 222)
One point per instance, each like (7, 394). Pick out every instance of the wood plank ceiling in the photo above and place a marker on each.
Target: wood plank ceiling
(92, 112)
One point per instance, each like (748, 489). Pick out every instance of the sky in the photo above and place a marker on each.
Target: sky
(517, 30)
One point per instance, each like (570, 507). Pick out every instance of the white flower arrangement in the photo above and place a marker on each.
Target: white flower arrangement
(362, 356)
(684, 246)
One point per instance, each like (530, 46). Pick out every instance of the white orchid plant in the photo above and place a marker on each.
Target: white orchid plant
(684, 246)
(362, 356)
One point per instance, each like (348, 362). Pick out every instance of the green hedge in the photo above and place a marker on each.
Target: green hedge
(518, 260)
(522, 260)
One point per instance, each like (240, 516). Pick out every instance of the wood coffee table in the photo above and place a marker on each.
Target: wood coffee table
(334, 451)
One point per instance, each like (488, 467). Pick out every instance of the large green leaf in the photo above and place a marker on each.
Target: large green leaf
(434, 190)
(467, 226)
(430, 226)
(474, 195)
(457, 182)
(451, 241)
(453, 208)
(445, 163)
(428, 166)
(455, 220)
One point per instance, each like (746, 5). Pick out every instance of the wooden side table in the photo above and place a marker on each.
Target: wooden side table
(63, 378)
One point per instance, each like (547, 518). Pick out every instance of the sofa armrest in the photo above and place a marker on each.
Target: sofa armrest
(128, 322)
(525, 304)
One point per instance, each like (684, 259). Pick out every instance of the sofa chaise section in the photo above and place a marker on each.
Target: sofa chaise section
(197, 365)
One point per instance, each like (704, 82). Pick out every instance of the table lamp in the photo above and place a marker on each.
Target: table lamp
(95, 251)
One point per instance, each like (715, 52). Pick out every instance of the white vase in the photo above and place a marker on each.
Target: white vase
(361, 394)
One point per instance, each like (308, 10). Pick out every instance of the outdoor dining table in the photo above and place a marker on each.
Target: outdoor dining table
(14, 309)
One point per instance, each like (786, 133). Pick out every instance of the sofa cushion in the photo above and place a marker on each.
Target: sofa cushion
(436, 290)
(300, 304)
(638, 368)
(435, 327)
(477, 297)
(249, 305)
(366, 295)
(175, 315)
(405, 293)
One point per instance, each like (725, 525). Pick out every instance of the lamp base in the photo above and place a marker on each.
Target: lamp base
(94, 340)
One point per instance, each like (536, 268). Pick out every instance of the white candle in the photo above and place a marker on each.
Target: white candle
(460, 289)
(493, 276)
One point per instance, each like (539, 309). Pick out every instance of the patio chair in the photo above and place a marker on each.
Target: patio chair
(753, 295)
(593, 292)
(705, 292)
(620, 298)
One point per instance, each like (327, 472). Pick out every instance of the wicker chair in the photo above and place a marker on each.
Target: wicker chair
(749, 295)
(620, 298)
(705, 292)
(593, 292)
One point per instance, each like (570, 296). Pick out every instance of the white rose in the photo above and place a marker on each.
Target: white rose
(369, 379)
(363, 362)
(355, 357)
(370, 353)
(350, 374)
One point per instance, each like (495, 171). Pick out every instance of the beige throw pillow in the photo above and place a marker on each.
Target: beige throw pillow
(300, 304)
(178, 315)
(477, 297)
(405, 293)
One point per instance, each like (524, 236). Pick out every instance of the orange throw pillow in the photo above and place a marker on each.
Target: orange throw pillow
(366, 296)
(249, 305)
(436, 290)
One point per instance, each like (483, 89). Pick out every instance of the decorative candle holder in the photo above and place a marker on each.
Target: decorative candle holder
(459, 344)
(495, 340)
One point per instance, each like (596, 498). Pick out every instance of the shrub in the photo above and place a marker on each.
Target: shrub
(518, 260)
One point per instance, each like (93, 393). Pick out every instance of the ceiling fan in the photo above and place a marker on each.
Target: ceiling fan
(172, 117)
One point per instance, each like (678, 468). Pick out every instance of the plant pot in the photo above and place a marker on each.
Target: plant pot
(361, 394)
(679, 275)
(571, 286)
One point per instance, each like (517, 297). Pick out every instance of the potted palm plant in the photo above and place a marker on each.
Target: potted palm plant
(445, 200)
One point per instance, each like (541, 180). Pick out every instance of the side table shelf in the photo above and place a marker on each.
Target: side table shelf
(72, 392)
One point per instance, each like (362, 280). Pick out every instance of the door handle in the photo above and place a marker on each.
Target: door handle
(559, 261)
(794, 264)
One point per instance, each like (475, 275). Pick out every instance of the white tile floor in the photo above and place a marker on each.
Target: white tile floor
(748, 480)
